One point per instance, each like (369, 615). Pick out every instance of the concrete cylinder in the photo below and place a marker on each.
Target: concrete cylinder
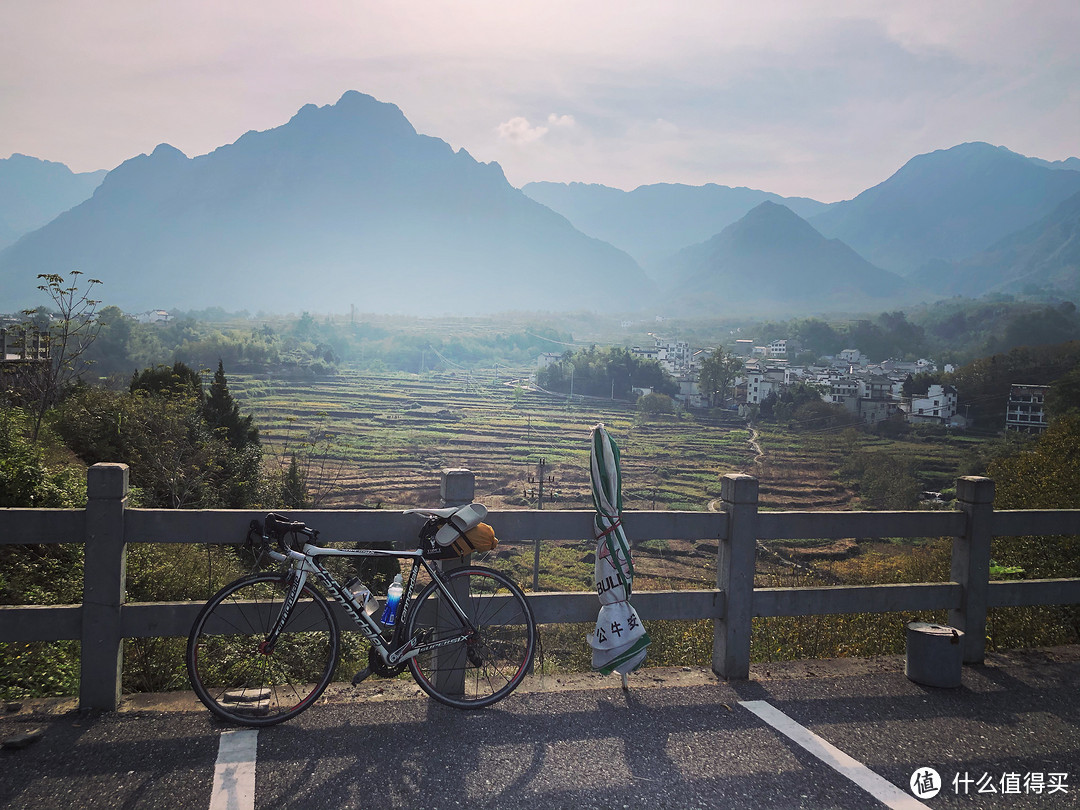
(935, 654)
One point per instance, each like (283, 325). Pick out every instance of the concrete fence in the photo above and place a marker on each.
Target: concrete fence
(23, 345)
(107, 526)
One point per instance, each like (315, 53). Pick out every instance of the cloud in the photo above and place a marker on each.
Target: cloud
(518, 130)
(815, 97)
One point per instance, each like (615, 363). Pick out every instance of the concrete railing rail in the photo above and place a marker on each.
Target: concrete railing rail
(107, 526)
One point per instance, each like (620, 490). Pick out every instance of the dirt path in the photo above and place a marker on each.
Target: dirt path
(759, 454)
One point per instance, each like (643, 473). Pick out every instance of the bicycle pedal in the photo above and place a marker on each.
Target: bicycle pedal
(361, 675)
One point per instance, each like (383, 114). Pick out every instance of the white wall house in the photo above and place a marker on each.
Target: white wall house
(546, 359)
(759, 384)
(937, 405)
(154, 316)
(852, 356)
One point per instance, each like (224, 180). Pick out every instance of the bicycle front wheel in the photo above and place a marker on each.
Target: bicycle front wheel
(234, 674)
(489, 664)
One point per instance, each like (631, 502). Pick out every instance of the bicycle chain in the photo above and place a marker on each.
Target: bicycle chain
(380, 667)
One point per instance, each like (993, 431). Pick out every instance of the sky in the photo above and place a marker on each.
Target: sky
(815, 98)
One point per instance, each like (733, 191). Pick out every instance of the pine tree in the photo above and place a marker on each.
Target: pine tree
(294, 493)
(222, 414)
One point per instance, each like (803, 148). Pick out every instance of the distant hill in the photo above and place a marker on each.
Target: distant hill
(773, 261)
(1042, 258)
(34, 192)
(947, 205)
(344, 205)
(653, 222)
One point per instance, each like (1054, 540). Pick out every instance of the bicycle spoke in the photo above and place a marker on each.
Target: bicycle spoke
(493, 660)
(239, 680)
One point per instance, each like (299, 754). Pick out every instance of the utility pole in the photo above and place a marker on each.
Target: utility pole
(540, 481)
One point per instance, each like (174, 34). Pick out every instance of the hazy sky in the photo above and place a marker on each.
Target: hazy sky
(820, 98)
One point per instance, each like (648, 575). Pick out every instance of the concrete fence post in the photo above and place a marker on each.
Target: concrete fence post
(104, 572)
(735, 577)
(456, 488)
(971, 564)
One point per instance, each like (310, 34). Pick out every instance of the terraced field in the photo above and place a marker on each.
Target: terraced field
(383, 438)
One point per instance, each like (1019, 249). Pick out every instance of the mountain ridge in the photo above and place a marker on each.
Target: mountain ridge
(653, 221)
(771, 260)
(33, 192)
(946, 205)
(348, 198)
(1043, 258)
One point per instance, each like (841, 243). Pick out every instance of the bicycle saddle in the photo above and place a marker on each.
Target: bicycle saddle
(468, 515)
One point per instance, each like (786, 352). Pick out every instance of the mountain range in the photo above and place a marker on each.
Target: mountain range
(947, 205)
(343, 205)
(347, 204)
(1044, 255)
(653, 222)
(34, 192)
(773, 262)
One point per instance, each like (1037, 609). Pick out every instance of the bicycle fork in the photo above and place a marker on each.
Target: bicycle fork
(297, 578)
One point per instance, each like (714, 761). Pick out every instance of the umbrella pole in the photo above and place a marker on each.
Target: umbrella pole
(625, 685)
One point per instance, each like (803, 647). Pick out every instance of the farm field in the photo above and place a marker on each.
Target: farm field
(381, 439)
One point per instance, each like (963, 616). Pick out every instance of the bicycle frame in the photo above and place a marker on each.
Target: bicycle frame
(398, 649)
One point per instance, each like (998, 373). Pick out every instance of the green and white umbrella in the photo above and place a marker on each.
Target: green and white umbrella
(619, 639)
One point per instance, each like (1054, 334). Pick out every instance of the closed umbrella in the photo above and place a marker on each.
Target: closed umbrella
(619, 639)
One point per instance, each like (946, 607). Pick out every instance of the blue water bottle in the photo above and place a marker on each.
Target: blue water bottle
(393, 596)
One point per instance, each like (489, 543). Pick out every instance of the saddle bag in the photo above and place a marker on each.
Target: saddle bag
(458, 535)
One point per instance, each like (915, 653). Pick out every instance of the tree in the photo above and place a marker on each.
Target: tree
(71, 334)
(294, 494)
(160, 430)
(656, 405)
(1064, 395)
(180, 380)
(223, 414)
(111, 351)
(717, 372)
(612, 372)
(1045, 475)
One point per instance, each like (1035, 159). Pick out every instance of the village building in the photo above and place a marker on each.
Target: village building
(1025, 411)
(937, 406)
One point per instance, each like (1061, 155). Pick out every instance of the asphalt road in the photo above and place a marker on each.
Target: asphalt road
(676, 739)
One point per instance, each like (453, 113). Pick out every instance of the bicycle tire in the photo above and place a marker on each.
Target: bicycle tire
(488, 666)
(231, 675)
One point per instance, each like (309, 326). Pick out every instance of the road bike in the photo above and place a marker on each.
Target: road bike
(264, 648)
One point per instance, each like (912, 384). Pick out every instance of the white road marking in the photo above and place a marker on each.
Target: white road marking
(877, 786)
(234, 771)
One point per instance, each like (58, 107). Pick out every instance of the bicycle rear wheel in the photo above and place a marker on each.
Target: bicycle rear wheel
(491, 663)
(232, 674)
